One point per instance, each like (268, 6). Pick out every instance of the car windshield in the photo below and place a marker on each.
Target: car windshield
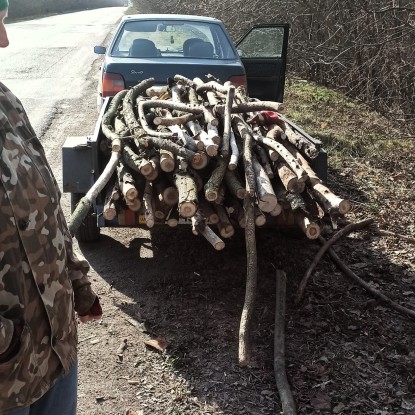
(178, 39)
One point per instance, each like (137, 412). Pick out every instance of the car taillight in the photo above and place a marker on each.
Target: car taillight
(111, 84)
(238, 80)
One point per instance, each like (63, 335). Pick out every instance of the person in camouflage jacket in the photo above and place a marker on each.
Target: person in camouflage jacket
(42, 282)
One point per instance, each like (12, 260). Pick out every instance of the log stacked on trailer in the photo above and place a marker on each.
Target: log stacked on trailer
(195, 150)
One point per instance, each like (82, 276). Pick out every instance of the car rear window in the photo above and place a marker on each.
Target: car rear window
(177, 39)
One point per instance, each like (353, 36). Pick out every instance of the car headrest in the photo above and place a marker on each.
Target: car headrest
(143, 48)
(188, 42)
(201, 50)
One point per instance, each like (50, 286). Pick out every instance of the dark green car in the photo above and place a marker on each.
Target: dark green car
(162, 45)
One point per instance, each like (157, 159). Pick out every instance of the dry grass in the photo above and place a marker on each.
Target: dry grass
(370, 161)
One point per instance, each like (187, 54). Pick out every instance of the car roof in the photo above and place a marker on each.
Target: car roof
(171, 17)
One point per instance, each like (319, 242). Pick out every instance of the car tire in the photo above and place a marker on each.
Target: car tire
(89, 230)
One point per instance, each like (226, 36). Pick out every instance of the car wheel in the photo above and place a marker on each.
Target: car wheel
(89, 230)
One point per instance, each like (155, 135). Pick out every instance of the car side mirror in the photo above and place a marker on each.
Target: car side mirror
(100, 50)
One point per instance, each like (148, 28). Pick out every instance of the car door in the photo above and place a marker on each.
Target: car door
(263, 51)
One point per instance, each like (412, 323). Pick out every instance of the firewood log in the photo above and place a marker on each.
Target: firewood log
(200, 161)
(133, 161)
(188, 201)
(108, 118)
(161, 209)
(172, 219)
(276, 132)
(237, 214)
(288, 178)
(227, 121)
(180, 120)
(285, 154)
(134, 204)
(212, 186)
(247, 138)
(166, 192)
(110, 210)
(233, 162)
(212, 238)
(234, 185)
(267, 200)
(264, 160)
(226, 230)
(156, 90)
(127, 183)
(148, 204)
(210, 147)
(208, 212)
(260, 219)
(167, 162)
(311, 229)
(213, 134)
(309, 149)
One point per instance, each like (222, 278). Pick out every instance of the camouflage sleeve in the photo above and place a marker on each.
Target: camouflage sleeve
(6, 333)
(78, 268)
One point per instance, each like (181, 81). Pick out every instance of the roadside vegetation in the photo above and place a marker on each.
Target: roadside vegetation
(364, 49)
(369, 160)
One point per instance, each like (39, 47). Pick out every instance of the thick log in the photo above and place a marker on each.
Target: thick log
(213, 134)
(181, 120)
(311, 229)
(260, 219)
(85, 204)
(234, 185)
(212, 185)
(133, 204)
(288, 178)
(167, 162)
(188, 201)
(168, 145)
(164, 104)
(129, 102)
(309, 149)
(329, 201)
(108, 118)
(226, 230)
(183, 138)
(210, 147)
(285, 154)
(267, 200)
(166, 192)
(110, 210)
(157, 91)
(127, 183)
(132, 160)
(161, 209)
(172, 219)
(275, 132)
(208, 212)
(263, 158)
(212, 238)
(248, 140)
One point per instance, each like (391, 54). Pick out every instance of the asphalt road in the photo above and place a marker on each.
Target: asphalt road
(48, 63)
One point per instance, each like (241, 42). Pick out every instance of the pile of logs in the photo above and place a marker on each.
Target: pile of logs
(193, 150)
